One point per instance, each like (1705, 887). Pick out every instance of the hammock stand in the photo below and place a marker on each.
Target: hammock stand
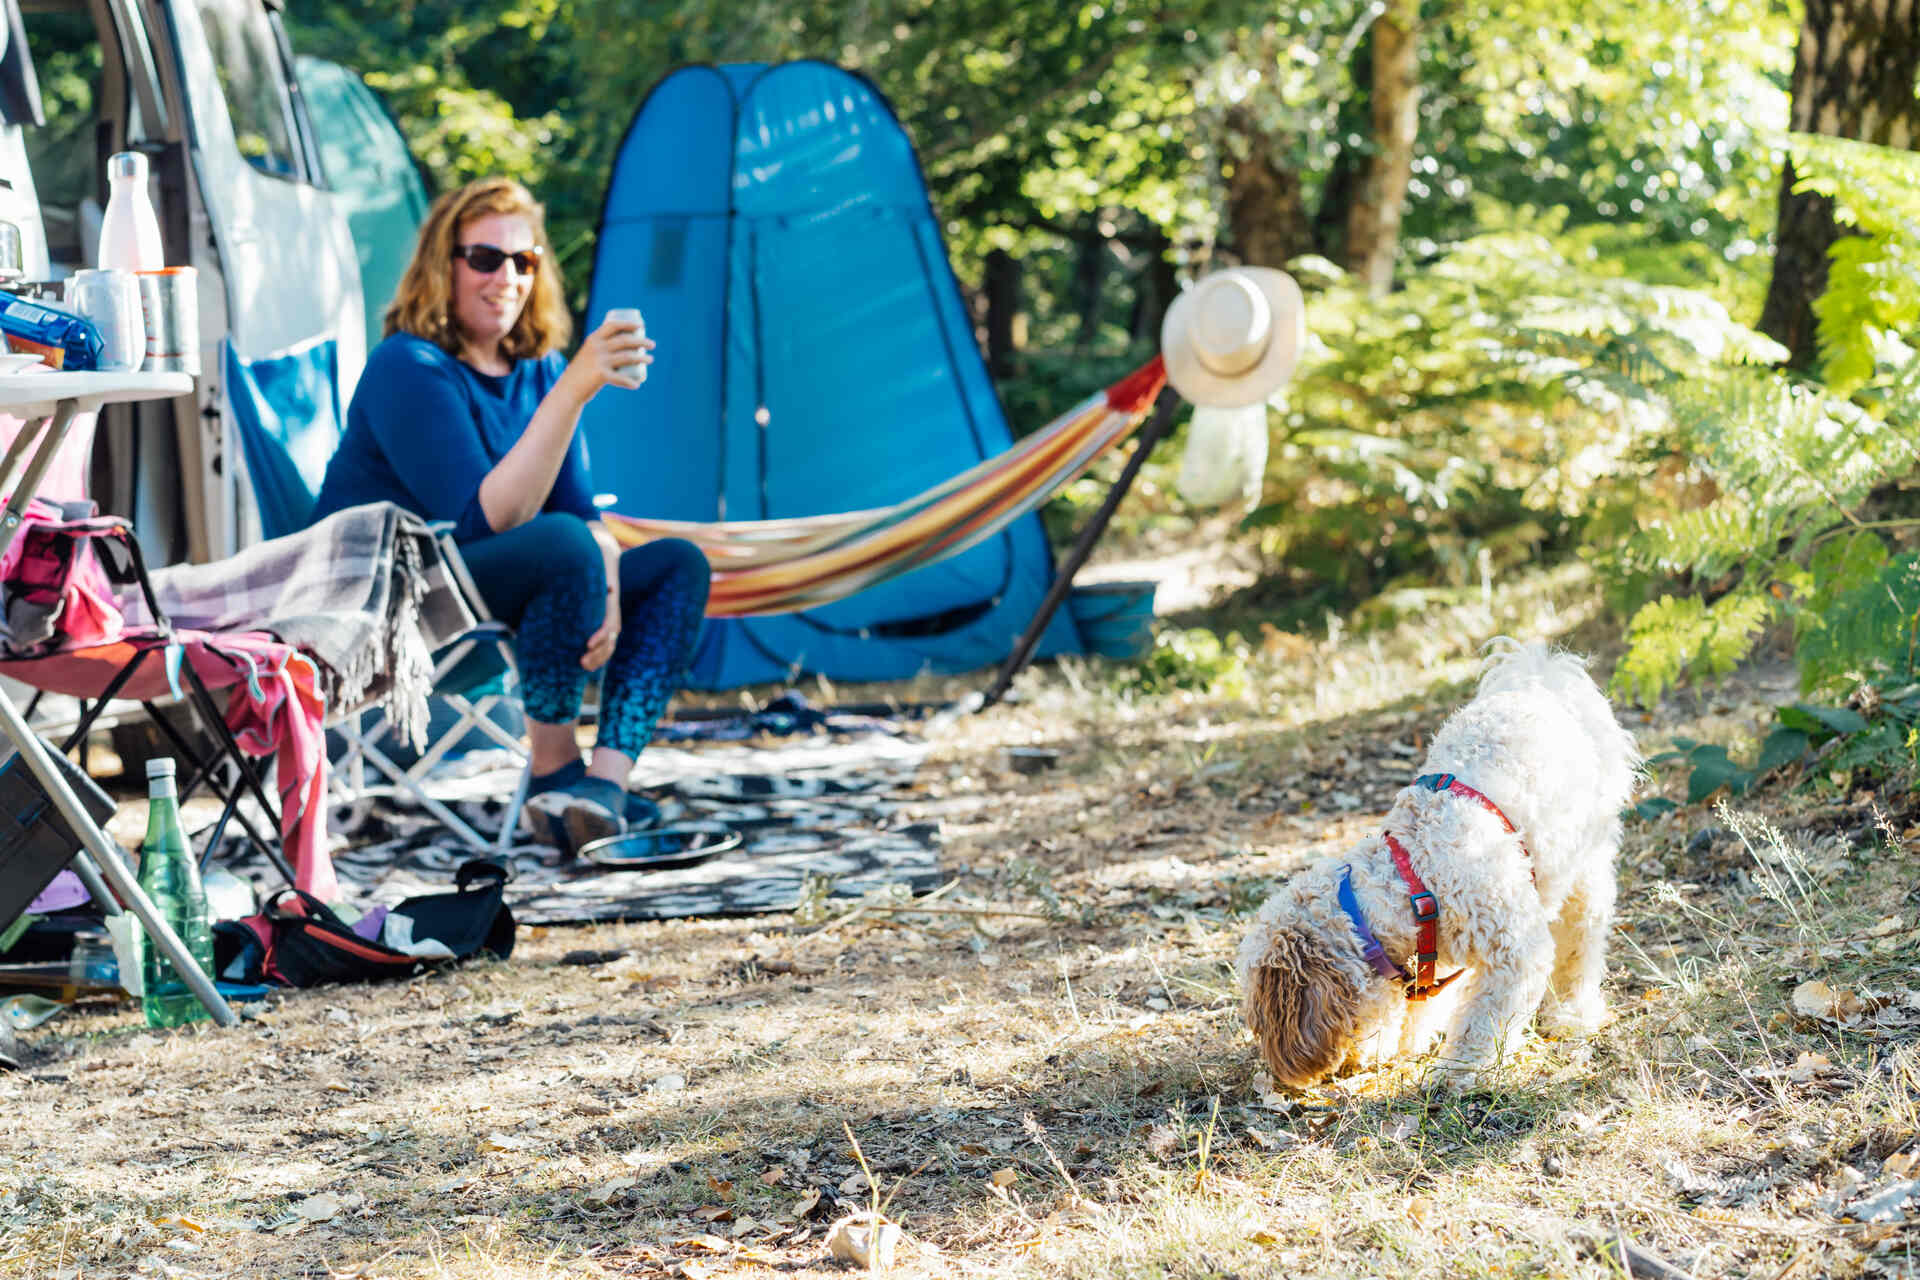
(781, 566)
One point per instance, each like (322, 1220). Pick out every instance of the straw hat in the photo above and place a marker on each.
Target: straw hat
(1234, 338)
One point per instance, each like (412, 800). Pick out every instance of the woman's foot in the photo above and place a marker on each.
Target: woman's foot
(569, 808)
(641, 813)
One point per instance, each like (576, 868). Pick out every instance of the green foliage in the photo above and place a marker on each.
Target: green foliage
(1799, 738)
(1873, 280)
(1675, 635)
(1491, 409)
(1788, 494)
(1867, 631)
(1194, 659)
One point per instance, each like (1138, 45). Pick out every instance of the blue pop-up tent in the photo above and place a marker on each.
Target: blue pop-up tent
(814, 356)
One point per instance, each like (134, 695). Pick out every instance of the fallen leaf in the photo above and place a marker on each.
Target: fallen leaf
(720, 1188)
(606, 1192)
(1816, 999)
(181, 1221)
(712, 1244)
(1004, 1177)
(864, 1241)
(1261, 1235)
(1807, 1066)
(505, 1142)
(1420, 1211)
(775, 1176)
(714, 1213)
(803, 1206)
(854, 1183)
(1900, 1163)
(1162, 1141)
(326, 1206)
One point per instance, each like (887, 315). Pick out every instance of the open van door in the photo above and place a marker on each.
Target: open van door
(206, 89)
(278, 257)
(366, 162)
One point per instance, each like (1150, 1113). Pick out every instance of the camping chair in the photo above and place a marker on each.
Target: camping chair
(287, 413)
(63, 633)
(472, 676)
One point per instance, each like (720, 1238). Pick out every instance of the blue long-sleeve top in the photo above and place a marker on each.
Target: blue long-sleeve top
(425, 428)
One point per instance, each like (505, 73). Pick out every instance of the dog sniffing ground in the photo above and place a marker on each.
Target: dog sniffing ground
(1053, 1079)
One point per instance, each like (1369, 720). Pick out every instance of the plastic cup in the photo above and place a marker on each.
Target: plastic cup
(631, 315)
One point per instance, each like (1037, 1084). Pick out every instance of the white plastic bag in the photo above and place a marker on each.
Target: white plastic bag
(1226, 456)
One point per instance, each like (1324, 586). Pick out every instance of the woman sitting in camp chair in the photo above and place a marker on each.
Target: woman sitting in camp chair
(467, 412)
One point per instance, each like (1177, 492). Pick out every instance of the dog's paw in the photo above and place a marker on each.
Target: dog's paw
(1457, 1075)
(1572, 1018)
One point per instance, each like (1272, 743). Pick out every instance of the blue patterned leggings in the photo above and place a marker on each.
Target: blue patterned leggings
(547, 580)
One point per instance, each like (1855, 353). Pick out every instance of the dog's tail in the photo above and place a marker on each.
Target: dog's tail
(1513, 665)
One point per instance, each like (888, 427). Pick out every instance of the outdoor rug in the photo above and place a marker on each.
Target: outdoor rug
(817, 808)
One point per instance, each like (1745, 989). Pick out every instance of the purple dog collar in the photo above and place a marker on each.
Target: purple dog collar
(1369, 945)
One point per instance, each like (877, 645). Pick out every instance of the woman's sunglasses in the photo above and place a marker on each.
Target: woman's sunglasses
(486, 258)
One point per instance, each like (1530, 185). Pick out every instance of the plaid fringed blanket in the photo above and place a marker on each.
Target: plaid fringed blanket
(365, 592)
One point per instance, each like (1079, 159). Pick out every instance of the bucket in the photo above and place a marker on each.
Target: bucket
(1115, 619)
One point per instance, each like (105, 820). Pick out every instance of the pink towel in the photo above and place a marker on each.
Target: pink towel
(279, 709)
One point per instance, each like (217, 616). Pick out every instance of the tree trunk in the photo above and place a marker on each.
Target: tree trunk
(1088, 267)
(1853, 78)
(1000, 283)
(1373, 222)
(1155, 288)
(1265, 206)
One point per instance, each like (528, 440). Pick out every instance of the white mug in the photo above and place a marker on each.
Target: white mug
(631, 315)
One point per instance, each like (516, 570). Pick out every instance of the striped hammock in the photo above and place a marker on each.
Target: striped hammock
(781, 566)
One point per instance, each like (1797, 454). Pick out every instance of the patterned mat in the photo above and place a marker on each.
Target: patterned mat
(814, 808)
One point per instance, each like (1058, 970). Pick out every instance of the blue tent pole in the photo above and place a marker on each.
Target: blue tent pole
(1150, 435)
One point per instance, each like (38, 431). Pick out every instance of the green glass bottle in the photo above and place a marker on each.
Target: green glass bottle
(171, 877)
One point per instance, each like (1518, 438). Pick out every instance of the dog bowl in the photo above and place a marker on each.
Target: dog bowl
(1032, 759)
(684, 844)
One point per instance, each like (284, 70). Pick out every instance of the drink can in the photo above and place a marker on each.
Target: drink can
(170, 305)
(631, 315)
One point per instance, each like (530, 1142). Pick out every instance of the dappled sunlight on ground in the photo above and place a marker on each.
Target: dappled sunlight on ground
(1043, 1069)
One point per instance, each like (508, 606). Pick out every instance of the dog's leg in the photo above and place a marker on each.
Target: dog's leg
(1511, 966)
(1574, 1004)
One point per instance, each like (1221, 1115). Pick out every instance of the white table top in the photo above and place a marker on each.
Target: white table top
(35, 395)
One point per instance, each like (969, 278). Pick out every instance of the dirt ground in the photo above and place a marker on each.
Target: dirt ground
(1042, 1070)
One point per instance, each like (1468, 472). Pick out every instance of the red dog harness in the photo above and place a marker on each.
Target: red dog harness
(1426, 908)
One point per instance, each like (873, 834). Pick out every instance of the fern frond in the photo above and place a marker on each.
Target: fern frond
(1867, 630)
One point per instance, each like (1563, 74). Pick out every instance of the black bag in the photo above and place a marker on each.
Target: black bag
(298, 941)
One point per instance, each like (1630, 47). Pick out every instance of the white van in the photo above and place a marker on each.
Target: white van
(207, 89)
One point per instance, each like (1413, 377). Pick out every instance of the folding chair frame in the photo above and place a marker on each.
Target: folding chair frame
(474, 713)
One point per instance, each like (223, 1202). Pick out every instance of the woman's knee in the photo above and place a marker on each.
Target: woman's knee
(568, 549)
(667, 565)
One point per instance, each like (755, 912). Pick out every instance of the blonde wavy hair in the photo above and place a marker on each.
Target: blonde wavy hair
(423, 303)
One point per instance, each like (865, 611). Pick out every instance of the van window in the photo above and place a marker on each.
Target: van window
(63, 154)
(254, 83)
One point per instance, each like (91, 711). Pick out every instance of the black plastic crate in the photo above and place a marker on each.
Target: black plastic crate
(35, 841)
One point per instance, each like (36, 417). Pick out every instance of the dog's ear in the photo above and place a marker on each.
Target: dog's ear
(1302, 1008)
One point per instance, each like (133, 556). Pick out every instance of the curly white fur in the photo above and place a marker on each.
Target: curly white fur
(1538, 739)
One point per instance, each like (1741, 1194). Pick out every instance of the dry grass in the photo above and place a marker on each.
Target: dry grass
(1064, 1090)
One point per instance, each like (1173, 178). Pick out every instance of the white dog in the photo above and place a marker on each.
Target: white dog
(1512, 830)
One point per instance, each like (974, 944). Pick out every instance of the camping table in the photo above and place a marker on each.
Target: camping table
(47, 402)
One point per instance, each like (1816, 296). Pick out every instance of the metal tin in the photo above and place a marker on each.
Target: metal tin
(170, 304)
